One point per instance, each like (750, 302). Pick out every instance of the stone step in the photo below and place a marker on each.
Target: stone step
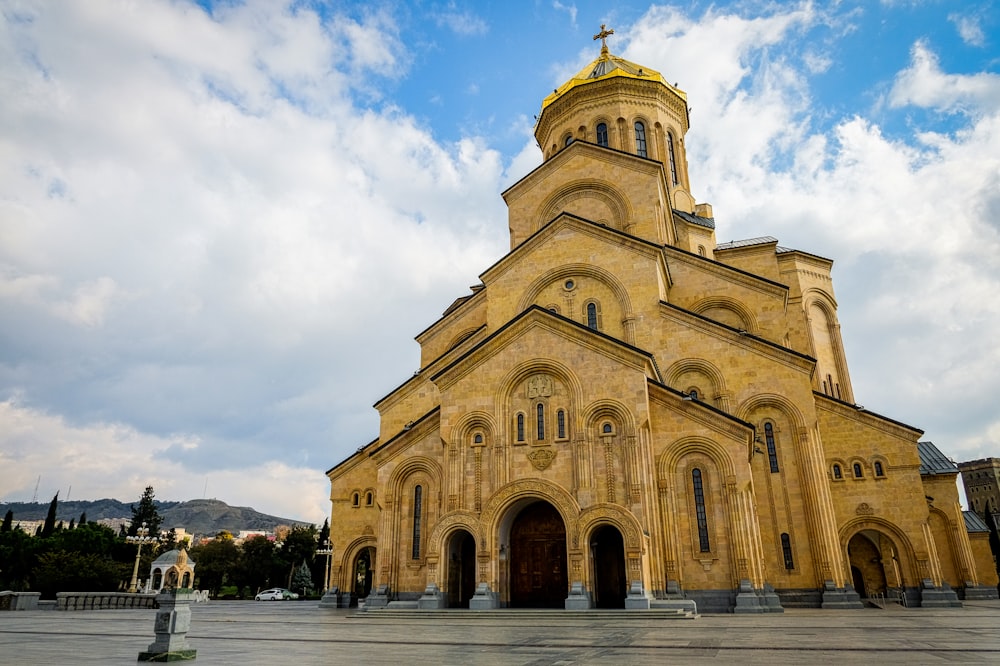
(523, 614)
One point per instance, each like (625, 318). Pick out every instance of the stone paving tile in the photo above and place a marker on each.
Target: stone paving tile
(251, 633)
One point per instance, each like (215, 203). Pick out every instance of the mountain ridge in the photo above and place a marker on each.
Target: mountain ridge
(197, 516)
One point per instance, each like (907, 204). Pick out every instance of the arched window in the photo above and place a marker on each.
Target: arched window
(786, 550)
(592, 315)
(356, 499)
(418, 505)
(772, 452)
(693, 394)
(369, 498)
(699, 505)
(837, 474)
(478, 439)
(701, 251)
(640, 139)
(857, 471)
(569, 140)
(520, 427)
(607, 429)
(540, 427)
(602, 134)
(878, 469)
(673, 161)
(561, 424)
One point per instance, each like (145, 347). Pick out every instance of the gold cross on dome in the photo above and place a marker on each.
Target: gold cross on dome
(603, 36)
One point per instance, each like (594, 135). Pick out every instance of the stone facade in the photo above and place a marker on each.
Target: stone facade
(625, 413)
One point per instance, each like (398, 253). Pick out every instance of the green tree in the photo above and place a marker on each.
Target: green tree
(49, 526)
(257, 564)
(8, 521)
(302, 580)
(145, 513)
(17, 555)
(299, 545)
(216, 562)
(63, 571)
(170, 542)
(83, 518)
(324, 532)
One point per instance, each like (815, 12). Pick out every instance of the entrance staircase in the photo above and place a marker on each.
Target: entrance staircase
(528, 615)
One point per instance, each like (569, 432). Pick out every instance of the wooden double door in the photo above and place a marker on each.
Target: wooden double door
(538, 558)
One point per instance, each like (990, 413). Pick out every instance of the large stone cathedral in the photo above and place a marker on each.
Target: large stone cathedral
(625, 413)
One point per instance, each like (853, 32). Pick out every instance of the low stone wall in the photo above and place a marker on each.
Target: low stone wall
(19, 600)
(103, 600)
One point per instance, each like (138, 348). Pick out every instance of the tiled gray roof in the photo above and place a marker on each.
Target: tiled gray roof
(763, 240)
(932, 461)
(974, 522)
(696, 219)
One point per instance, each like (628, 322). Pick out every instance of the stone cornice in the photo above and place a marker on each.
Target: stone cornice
(729, 273)
(709, 416)
(412, 431)
(862, 415)
(787, 357)
(351, 461)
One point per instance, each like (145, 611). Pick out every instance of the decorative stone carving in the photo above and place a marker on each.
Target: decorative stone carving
(864, 509)
(540, 386)
(542, 458)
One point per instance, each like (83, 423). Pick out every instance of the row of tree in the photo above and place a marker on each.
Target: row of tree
(89, 557)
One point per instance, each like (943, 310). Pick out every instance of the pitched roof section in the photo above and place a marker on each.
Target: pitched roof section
(749, 242)
(932, 461)
(708, 222)
(974, 522)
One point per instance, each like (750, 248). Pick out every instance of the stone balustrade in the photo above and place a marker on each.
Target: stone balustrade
(103, 600)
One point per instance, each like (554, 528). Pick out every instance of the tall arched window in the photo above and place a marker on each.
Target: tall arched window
(772, 453)
(540, 411)
(640, 139)
(561, 424)
(837, 474)
(592, 315)
(602, 134)
(673, 161)
(878, 469)
(786, 550)
(699, 505)
(520, 427)
(418, 506)
(857, 471)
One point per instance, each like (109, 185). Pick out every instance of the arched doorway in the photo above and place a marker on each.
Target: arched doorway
(538, 558)
(364, 566)
(867, 568)
(607, 552)
(461, 569)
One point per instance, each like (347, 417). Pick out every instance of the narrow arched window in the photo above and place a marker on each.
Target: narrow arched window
(602, 134)
(673, 161)
(561, 424)
(569, 140)
(701, 251)
(418, 506)
(699, 506)
(540, 426)
(837, 474)
(592, 315)
(786, 550)
(878, 469)
(857, 470)
(356, 499)
(520, 427)
(772, 452)
(369, 499)
(640, 139)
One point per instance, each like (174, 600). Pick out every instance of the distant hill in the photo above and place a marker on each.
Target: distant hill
(200, 516)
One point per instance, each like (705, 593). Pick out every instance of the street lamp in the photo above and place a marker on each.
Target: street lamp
(327, 550)
(141, 538)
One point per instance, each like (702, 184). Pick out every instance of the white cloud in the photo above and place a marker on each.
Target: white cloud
(968, 29)
(924, 84)
(463, 23)
(570, 10)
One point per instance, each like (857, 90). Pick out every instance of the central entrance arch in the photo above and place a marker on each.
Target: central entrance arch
(538, 558)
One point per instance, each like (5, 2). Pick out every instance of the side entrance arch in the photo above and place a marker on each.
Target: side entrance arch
(364, 567)
(867, 563)
(461, 569)
(607, 553)
(538, 576)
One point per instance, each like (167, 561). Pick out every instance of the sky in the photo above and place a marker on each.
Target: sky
(223, 223)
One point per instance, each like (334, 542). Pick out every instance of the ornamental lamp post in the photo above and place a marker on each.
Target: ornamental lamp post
(327, 550)
(141, 538)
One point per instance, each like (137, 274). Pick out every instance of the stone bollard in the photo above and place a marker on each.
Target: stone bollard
(173, 620)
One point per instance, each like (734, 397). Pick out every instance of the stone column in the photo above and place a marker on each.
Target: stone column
(173, 620)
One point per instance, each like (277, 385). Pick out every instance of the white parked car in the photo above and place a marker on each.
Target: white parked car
(276, 594)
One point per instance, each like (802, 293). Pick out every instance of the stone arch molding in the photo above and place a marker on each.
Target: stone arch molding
(677, 451)
(577, 270)
(732, 305)
(612, 197)
(535, 489)
(525, 370)
(906, 551)
(615, 516)
(415, 464)
(684, 366)
(447, 525)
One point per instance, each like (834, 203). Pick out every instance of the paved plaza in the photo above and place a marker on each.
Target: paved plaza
(297, 632)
